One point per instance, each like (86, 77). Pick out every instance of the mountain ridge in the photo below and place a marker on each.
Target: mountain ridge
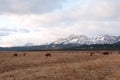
(82, 40)
(73, 42)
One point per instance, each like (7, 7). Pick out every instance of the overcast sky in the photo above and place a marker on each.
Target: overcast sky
(41, 21)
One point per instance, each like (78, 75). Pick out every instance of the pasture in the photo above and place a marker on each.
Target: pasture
(59, 65)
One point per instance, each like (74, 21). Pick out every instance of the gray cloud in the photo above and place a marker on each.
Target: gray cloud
(29, 6)
(6, 31)
(23, 30)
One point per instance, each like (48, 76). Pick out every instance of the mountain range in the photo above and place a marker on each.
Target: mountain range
(84, 40)
(74, 42)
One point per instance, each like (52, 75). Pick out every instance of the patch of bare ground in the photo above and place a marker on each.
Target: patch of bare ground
(60, 66)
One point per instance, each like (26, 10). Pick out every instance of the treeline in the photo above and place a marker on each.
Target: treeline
(96, 47)
(65, 47)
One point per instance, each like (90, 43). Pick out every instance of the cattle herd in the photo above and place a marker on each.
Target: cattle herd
(91, 53)
(24, 54)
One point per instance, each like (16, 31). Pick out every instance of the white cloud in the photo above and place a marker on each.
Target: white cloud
(28, 6)
(89, 17)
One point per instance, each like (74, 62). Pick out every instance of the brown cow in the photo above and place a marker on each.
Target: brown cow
(105, 53)
(24, 54)
(15, 54)
(48, 55)
(118, 52)
(91, 54)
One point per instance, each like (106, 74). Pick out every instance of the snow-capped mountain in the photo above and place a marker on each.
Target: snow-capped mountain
(118, 38)
(74, 42)
(74, 39)
(105, 39)
(82, 39)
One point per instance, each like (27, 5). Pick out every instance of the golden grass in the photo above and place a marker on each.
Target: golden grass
(61, 66)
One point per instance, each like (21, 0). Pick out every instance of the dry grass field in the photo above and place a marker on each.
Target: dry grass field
(62, 65)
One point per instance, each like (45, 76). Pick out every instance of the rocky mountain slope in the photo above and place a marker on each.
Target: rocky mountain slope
(84, 40)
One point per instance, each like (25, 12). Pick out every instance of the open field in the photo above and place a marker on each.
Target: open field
(62, 65)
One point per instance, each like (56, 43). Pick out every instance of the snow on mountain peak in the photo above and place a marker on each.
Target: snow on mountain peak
(105, 39)
(74, 39)
(82, 39)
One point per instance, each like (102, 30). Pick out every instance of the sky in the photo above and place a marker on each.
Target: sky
(43, 21)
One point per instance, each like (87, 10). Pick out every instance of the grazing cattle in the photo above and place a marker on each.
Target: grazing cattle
(48, 55)
(119, 52)
(91, 54)
(24, 54)
(105, 53)
(15, 54)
